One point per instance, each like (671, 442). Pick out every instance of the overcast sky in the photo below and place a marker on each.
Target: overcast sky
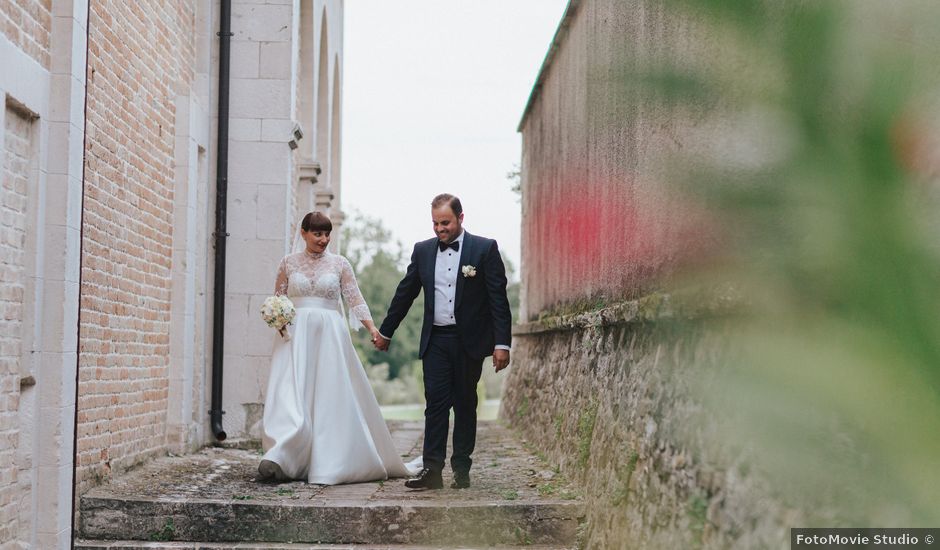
(433, 93)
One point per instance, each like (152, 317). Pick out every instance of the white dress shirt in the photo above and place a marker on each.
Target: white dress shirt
(446, 267)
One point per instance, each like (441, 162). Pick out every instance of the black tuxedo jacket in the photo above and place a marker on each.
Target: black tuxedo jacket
(481, 307)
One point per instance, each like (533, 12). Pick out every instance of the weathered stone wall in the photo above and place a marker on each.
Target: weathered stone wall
(598, 221)
(607, 396)
(603, 381)
(613, 403)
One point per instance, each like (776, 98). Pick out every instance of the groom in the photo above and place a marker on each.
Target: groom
(466, 318)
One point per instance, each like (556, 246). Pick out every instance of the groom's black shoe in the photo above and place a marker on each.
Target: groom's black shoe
(426, 479)
(461, 480)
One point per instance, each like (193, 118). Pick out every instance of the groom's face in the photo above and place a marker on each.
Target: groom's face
(447, 226)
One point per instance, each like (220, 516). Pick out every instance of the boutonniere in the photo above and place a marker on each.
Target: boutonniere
(469, 271)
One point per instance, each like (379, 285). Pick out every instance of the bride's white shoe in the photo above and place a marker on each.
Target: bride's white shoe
(270, 471)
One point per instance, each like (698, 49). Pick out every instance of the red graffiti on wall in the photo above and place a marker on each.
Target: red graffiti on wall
(592, 238)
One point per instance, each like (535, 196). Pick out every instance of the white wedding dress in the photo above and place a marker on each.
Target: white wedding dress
(321, 420)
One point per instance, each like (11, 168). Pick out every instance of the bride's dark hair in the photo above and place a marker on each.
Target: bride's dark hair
(316, 221)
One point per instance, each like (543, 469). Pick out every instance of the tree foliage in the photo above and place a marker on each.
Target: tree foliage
(379, 261)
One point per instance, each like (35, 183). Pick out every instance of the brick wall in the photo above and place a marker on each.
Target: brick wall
(141, 55)
(28, 24)
(17, 150)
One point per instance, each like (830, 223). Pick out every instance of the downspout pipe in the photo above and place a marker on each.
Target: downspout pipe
(221, 197)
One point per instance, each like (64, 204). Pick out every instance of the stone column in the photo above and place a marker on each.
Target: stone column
(57, 263)
(323, 197)
(308, 174)
(260, 209)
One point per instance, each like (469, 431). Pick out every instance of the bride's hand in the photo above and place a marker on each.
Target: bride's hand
(379, 341)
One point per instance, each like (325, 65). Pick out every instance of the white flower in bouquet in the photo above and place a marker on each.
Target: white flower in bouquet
(278, 312)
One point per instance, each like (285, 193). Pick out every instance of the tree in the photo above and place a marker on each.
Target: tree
(379, 260)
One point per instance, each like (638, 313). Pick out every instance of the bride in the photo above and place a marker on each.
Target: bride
(321, 420)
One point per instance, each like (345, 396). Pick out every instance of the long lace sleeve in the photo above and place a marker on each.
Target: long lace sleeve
(280, 284)
(358, 309)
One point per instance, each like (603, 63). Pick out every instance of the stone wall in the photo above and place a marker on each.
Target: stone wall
(598, 221)
(289, 58)
(599, 381)
(604, 380)
(611, 400)
(260, 178)
(601, 377)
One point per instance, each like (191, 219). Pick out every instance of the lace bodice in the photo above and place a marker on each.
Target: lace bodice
(322, 276)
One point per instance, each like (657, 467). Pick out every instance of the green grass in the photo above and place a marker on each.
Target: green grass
(165, 534)
(624, 474)
(586, 434)
(697, 510)
(523, 409)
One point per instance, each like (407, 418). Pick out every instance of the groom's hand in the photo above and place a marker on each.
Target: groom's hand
(500, 359)
(380, 342)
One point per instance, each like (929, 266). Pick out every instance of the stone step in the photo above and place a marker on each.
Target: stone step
(83, 544)
(211, 497)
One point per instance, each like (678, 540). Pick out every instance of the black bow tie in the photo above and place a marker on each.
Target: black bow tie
(444, 246)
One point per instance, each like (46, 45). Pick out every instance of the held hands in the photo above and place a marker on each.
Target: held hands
(500, 359)
(379, 341)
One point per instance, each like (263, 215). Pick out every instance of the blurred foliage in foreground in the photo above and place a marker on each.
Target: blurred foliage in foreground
(827, 191)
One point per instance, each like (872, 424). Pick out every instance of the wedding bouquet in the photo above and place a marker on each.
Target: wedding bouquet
(278, 312)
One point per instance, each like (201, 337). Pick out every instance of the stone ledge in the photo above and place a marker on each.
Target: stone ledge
(689, 304)
(480, 523)
(244, 444)
(84, 544)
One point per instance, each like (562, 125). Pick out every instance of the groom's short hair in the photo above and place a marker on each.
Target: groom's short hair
(450, 200)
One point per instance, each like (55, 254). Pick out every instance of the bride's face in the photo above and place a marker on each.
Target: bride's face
(317, 241)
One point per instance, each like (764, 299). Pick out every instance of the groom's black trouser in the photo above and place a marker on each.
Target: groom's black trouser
(450, 380)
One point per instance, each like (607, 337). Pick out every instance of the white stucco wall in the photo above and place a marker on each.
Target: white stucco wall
(266, 198)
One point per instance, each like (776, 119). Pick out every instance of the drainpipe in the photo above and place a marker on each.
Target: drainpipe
(81, 254)
(221, 192)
